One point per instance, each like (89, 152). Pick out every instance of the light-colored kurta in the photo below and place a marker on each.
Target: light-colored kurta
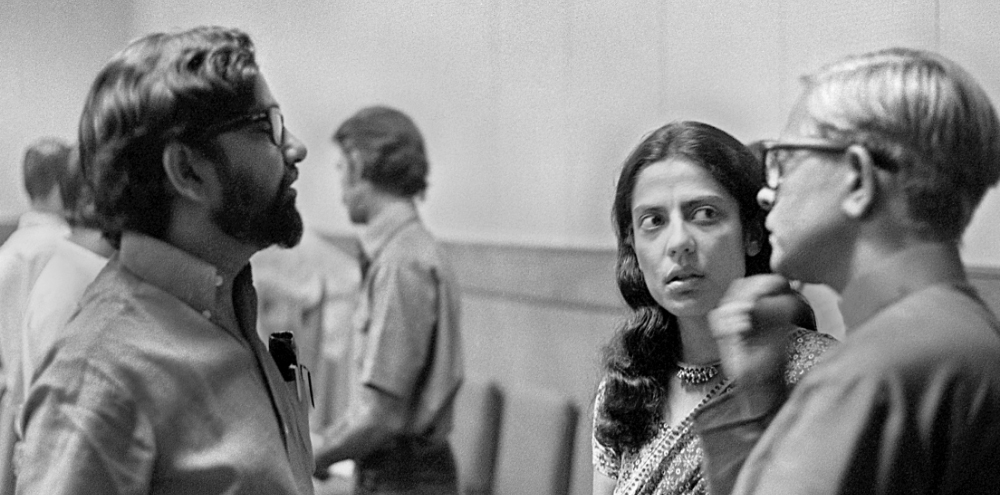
(22, 258)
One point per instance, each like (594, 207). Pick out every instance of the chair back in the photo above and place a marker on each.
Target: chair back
(536, 442)
(476, 434)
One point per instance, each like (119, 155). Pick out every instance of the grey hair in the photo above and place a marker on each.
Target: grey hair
(924, 115)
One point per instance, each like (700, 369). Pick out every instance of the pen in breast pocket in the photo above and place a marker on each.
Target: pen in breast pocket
(298, 380)
(307, 379)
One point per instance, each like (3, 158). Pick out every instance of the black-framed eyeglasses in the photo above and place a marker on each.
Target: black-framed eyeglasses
(272, 116)
(773, 154)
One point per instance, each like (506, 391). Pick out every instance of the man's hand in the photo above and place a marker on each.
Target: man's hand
(750, 327)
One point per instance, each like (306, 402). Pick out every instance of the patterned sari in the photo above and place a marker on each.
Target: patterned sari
(670, 462)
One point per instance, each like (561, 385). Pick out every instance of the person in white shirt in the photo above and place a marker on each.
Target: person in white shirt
(22, 257)
(74, 264)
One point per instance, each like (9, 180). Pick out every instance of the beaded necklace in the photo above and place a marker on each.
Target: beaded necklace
(696, 375)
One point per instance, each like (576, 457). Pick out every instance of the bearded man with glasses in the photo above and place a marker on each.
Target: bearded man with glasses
(159, 383)
(880, 169)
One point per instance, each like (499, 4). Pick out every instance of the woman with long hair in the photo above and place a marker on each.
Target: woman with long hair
(687, 224)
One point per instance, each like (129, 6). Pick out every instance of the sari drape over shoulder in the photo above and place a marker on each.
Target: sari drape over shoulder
(669, 463)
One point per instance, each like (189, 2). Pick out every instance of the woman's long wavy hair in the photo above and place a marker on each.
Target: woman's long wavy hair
(643, 354)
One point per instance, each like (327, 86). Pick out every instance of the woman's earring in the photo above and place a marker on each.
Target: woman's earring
(753, 248)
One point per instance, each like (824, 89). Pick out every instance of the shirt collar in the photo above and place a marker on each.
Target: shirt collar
(188, 278)
(904, 273)
(383, 227)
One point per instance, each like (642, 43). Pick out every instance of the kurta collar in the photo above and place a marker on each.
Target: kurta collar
(904, 273)
(188, 278)
(382, 228)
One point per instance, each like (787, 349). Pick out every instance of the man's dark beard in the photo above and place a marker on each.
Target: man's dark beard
(242, 218)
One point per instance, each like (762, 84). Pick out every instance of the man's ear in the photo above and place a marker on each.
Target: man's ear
(189, 173)
(863, 185)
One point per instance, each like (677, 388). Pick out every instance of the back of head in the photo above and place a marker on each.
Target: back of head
(44, 166)
(922, 114)
(161, 87)
(389, 147)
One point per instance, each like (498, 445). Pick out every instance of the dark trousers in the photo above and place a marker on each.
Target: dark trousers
(411, 466)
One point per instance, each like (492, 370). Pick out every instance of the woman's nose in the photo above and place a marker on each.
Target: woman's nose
(680, 241)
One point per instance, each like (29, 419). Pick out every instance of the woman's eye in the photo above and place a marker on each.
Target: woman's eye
(649, 222)
(705, 214)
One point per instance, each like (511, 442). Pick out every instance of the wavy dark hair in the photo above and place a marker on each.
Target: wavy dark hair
(644, 351)
(391, 149)
(161, 87)
(45, 166)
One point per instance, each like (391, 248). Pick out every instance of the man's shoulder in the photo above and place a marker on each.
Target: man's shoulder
(936, 319)
(942, 330)
(120, 321)
(413, 232)
(413, 244)
(116, 302)
(96, 337)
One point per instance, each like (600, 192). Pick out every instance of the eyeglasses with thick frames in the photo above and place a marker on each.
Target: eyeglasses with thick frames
(272, 116)
(774, 154)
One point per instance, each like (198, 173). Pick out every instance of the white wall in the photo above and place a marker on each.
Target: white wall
(50, 51)
(528, 107)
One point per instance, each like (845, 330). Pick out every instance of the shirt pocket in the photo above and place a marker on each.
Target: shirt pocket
(299, 410)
